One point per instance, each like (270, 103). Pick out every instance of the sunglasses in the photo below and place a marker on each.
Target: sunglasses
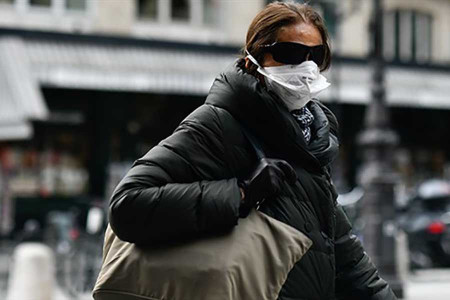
(295, 53)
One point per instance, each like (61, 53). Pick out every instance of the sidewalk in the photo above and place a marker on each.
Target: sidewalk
(437, 287)
(414, 290)
(423, 285)
(428, 285)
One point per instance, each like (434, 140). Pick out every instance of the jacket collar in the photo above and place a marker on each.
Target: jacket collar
(264, 115)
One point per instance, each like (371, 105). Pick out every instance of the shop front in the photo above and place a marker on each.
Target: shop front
(77, 110)
(105, 102)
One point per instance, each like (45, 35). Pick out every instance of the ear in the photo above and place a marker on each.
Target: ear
(247, 63)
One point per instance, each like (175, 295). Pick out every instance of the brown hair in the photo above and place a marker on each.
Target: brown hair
(265, 27)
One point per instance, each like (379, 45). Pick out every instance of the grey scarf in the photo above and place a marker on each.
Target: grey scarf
(304, 118)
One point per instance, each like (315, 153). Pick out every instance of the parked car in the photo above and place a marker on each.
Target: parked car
(426, 221)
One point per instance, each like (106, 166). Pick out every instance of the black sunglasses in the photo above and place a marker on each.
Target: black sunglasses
(295, 53)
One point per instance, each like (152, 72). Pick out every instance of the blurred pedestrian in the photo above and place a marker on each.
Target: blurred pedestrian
(205, 176)
(32, 232)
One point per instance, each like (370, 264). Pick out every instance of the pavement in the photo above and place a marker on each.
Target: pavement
(423, 285)
(430, 284)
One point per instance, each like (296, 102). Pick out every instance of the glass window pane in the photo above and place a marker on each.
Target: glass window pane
(389, 36)
(180, 9)
(327, 11)
(406, 37)
(423, 37)
(76, 4)
(210, 12)
(329, 15)
(40, 2)
(147, 9)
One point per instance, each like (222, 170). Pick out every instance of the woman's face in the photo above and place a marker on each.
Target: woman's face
(304, 33)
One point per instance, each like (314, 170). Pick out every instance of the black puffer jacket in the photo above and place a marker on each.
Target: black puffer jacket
(187, 186)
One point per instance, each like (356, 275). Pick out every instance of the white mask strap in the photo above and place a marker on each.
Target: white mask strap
(252, 59)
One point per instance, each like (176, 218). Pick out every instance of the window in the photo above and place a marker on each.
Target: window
(40, 8)
(210, 11)
(422, 42)
(407, 36)
(70, 5)
(45, 3)
(180, 10)
(147, 9)
(326, 8)
(194, 12)
(76, 5)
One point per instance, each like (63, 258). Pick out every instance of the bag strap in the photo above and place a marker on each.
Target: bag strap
(255, 143)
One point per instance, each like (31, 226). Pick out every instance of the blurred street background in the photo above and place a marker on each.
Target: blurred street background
(88, 86)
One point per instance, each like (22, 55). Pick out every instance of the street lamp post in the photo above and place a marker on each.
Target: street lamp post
(377, 175)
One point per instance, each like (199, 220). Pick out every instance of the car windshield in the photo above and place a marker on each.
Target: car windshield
(437, 204)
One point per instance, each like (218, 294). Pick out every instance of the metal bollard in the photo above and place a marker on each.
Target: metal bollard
(33, 273)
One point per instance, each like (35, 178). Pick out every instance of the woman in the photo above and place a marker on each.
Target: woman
(206, 176)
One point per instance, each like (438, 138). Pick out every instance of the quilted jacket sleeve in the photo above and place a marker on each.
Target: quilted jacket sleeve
(357, 277)
(180, 188)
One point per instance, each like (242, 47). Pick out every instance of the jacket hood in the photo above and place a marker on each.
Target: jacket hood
(266, 117)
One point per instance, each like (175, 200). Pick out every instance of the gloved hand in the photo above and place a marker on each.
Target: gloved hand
(265, 181)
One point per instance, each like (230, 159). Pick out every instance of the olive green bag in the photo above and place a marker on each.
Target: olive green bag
(251, 262)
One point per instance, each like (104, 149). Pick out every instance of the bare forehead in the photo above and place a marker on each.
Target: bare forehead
(302, 32)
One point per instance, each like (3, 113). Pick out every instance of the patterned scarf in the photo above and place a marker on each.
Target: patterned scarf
(304, 118)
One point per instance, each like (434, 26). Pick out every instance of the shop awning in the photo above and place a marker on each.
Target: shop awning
(20, 96)
(183, 70)
(125, 67)
(15, 131)
(406, 86)
(30, 60)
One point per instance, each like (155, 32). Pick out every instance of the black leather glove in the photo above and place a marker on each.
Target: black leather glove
(265, 181)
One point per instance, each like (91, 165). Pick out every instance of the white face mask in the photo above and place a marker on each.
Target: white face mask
(296, 85)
